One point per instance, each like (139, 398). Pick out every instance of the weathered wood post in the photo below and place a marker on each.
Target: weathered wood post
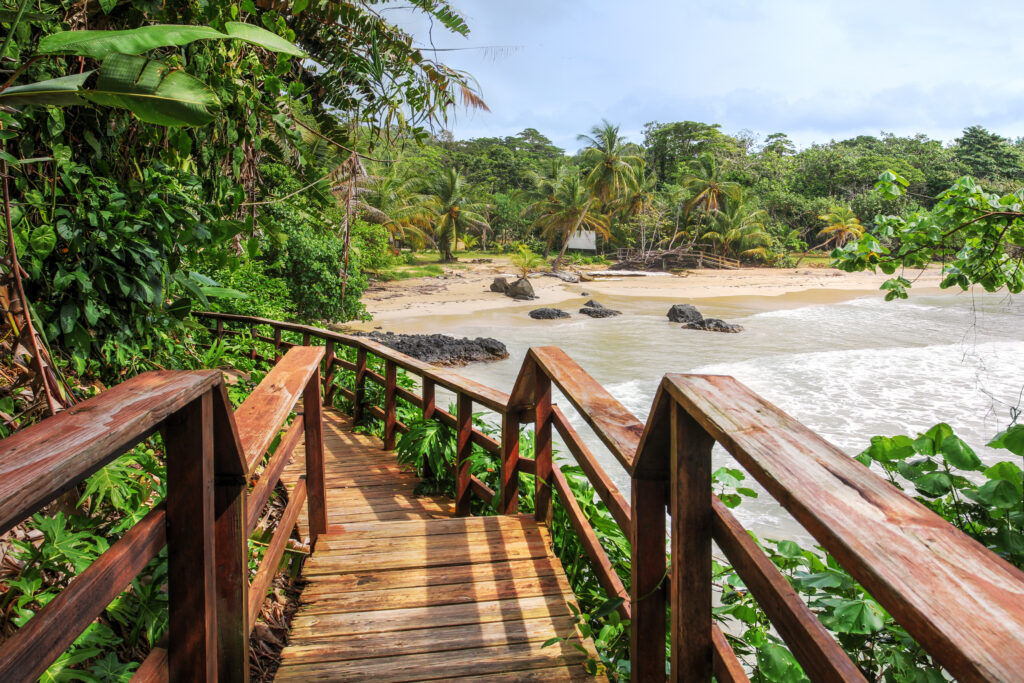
(690, 587)
(313, 426)
(277, 344)
(231, 548)
(647, 579)
(544, 479)
(390, 403)
(509, 463)
(464, 421)
(329, 372)
(192, 628)
(360, 388)
(252, 335)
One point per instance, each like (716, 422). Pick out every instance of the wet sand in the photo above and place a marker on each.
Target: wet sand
(407, 305)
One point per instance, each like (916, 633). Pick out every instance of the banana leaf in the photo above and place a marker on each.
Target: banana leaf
(100, 44)
(150, 89)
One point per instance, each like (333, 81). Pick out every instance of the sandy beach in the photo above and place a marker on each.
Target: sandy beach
(465, 288)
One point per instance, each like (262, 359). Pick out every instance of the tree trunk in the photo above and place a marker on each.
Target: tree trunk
(565, 242)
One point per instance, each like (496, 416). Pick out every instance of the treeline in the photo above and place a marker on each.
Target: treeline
(699, 184)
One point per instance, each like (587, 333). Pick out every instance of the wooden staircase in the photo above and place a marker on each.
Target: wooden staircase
(398, 589)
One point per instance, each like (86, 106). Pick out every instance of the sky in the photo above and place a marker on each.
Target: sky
(816, 70)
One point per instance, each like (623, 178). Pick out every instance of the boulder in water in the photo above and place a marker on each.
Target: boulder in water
(684, 313)
(601, 312)
(520, 289)
(713, 325)
(548, 313)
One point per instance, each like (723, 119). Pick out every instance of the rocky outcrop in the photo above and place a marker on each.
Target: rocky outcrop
(548, 314)
(597, 310)
(692, 319)
(500, 284)
(563, 276)
(441, 349)
(713, 325)
(520, 289)
(684, 313)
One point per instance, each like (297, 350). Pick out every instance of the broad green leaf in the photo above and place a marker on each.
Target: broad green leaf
(99, 44)
(299, 6)
(778, 664)
(153, 91)
(858, 616)
(42, 240)
(261, 37)
(928, 443)
(959, 454)
(68, 317)
(999, 493)
(223, 293)
(1006, 471)
(62, 92)
(935, 484)
(1012, 440)
(885, 449)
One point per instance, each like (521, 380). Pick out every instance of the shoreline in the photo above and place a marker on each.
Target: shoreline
(464, 290)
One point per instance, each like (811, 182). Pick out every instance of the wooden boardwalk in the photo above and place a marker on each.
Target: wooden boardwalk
(401, 590)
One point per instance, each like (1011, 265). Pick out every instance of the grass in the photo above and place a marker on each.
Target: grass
(407, 272)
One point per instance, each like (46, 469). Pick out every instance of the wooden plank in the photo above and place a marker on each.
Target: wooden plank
(482, 490)
(617, 428)
(542, 452)
(434, 639)
(463, 450)
(30, 650)
(441, 556)
(313, 454)
(261, 414)
(509, 504)
(407, 395)
(647, 583)
(456, 525)
(345, 546)
(726, 666)
(390, 403)
(153, 668)
(602, 566)
(431, 666)
(341, 518)
(328, 374)
(275, 551)
(690, 650)
(485, 612)
(430, 596)
(192, 627)
(231, 549)
(40, 462)
(272, 473)
(598, 478)
(564, 674)
(330, 585)
(813, 646)
(952, 595)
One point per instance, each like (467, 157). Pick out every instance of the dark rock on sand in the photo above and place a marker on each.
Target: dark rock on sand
(500, 284)
(548, 313)
(520, 289)
(441, 349)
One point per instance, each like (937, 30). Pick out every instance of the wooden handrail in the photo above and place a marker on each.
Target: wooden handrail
(937, 582)
(204, 520)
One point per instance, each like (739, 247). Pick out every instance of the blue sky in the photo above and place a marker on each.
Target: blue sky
(816, 70)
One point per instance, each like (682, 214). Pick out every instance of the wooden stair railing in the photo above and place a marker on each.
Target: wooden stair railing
(961, 602)
(212, 453)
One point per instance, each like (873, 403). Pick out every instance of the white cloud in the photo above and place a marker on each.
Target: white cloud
(814, 69)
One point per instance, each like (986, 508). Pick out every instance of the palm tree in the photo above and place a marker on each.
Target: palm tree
(568, 210)
(611, 161)
(447, 207)
(388, 200)
(710, 189)
(841, 226)
(739, 230)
